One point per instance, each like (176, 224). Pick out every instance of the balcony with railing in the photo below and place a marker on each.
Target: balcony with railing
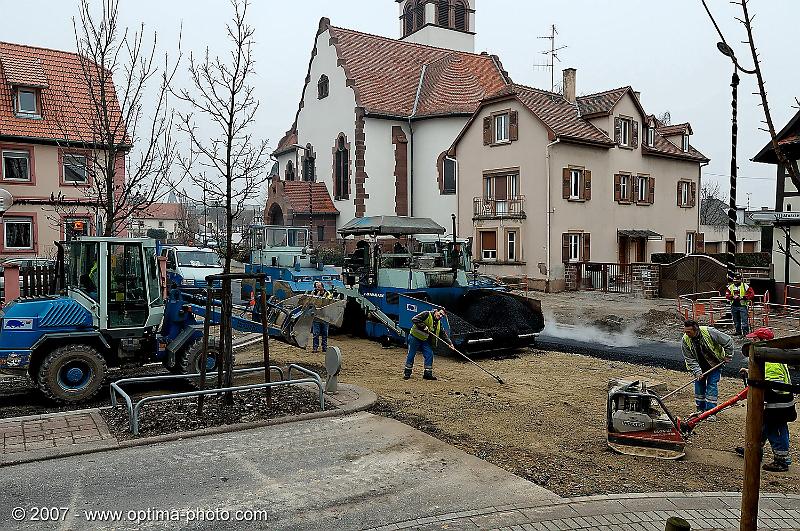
(512, 207)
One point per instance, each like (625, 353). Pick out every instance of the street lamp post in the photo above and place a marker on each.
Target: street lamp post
(731, 254)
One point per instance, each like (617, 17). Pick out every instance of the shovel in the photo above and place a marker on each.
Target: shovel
(684, 386)
(454, 349)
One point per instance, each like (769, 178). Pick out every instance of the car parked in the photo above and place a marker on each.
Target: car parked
(189, 266)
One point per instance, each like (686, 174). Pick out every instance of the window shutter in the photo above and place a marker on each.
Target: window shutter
(513, 128)
(565, 184)
(699, 242)
(587, 247)
(565, 247)
(652, 190)
(617, 188)
(587, 185)
(617, 130)
(487, 131)
(693, 199)
(679, 194)
(634, 134)
(633, 182)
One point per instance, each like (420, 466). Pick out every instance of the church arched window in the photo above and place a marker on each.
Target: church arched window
(408, 19)
(420, 15)
(341, 168)
(443, 13)
(289, 171)
(309, 164)
(323, 87)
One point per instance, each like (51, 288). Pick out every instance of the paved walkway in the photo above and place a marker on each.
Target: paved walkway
(40, 436)
(618, 512)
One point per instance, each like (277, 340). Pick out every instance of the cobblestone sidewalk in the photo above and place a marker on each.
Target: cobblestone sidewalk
(38, 436)
(619, 512)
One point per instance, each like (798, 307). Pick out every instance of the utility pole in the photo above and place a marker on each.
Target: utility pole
(552, 55)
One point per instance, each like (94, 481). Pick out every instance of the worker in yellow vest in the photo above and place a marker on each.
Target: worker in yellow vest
(703, 349)
(320, 328)
(779, 410)
(740, 295)
(424, 335)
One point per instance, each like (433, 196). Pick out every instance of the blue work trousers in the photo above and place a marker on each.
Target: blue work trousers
(706, 392)
(320, 330)
(741, 319)
(414, 346)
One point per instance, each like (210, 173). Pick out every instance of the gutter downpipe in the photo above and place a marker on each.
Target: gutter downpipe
(699, 188)
(411, 141)
(549, 212)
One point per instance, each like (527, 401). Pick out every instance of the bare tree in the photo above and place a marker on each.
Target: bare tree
(789, 248)
(747, 21)
(122, 182)
(222, 96)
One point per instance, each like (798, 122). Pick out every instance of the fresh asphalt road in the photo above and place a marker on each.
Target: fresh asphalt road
(620, 347)
(352, 472)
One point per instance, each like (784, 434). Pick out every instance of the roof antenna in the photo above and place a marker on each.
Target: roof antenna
(552, 55)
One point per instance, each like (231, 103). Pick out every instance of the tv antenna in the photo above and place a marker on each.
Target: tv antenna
(552, 55)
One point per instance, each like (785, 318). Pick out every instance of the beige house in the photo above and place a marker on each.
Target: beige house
(547, 179)
(169, 217)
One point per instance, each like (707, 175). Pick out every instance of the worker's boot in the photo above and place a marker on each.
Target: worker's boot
(740, 451)
(778, 464)
(428, 375)
(406, 373)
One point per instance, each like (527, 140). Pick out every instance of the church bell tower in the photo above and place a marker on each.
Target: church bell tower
(443, 23)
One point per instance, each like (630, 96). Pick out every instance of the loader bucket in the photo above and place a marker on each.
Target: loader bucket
(330, 311)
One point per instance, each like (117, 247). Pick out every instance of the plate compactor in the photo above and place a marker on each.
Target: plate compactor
(640, 424)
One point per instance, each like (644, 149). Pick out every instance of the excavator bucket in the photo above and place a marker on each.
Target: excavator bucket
(639, 424)
(330, 311)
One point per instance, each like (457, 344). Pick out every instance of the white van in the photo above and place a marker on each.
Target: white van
(189, 266)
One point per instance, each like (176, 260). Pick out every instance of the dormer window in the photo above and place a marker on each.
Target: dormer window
(624, 132)
(651, 135)
(26, 101)
(685, 143)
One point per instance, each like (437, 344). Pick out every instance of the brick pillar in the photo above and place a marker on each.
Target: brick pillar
(11, 280)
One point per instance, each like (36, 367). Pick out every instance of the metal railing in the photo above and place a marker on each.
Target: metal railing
(513, 207)
(134, 408)
(608, 277)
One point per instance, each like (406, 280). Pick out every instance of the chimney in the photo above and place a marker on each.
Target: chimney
(638, 95)
(569, 84)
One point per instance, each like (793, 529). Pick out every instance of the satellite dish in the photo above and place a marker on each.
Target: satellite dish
(6, 200)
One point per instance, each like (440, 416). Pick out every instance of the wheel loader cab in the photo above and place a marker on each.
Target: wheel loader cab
(117, 280)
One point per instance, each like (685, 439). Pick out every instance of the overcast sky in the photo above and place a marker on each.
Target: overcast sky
(664, 49)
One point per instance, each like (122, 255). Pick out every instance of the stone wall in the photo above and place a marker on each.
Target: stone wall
(647, 280)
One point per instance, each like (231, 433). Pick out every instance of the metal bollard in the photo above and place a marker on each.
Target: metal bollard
(333, 365)
(677, 524)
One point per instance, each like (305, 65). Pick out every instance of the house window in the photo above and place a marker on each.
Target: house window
(643, 188)
(624, 188)
(320, 233)
(625, 132)
(512, 247)
(16, 166)
(341, 169)
(160, 224)
(685, 143)
(450, 171)
(26, 101)
(501, 130)
(18, 233)
(289, 171)
(74, 169)
(651, 136)
(323, 87)
(574, 247)
(690, 242)
(684, 194)
(75, 227)
(489, 245)
(575, 184)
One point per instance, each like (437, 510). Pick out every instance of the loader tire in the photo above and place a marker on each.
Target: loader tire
(190, 361)
(72, 373)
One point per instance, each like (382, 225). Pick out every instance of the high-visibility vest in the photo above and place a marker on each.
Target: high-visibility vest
(778, 372)
(743, 289)
(436, 328)
(718, 351)
(325, 294)
(93, 276)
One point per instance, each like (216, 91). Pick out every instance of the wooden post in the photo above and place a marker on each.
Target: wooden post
(265, 334)
(677, 524)
(753, 449)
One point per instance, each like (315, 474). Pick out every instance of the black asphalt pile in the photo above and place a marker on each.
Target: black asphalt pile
(504, 315)
(460, 327)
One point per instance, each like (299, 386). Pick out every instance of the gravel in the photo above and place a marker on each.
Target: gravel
(161, 418)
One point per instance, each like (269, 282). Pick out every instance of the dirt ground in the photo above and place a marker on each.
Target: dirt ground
(548, 422)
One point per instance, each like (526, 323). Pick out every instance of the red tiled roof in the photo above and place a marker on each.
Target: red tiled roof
(297, 193)
(560, 116)
(166, 211)
(66, 102)
(26, 71)
(662, 146)
(674, 130)
(385, 75)
(601, 102)
(288, 140)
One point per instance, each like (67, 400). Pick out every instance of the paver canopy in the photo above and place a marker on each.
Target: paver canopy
(391, 226)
